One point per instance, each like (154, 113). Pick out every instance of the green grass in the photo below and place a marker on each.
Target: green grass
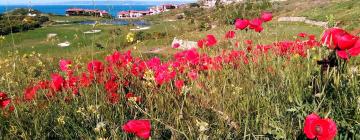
(73, 18)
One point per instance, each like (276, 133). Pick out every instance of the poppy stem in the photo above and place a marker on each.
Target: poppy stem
(170, 127)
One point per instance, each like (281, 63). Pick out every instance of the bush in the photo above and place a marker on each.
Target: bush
(15, 21)
(194, 5)
(142, 35)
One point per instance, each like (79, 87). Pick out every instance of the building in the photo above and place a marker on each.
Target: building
(152, 11)
(133, 14)
(86, 12)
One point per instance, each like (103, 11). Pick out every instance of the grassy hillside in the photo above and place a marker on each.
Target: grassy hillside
(252, 86)
(345, 12)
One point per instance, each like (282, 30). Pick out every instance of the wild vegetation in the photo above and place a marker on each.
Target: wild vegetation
(250, 78)
(18, 21)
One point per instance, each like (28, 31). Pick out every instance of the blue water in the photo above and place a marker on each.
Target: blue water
(60, 9)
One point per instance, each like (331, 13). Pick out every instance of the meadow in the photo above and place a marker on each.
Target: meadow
(262, 81)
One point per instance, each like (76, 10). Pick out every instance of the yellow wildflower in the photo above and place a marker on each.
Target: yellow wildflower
(130, 37)
(61, 120)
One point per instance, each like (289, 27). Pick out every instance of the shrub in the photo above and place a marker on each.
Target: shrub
(15, 21)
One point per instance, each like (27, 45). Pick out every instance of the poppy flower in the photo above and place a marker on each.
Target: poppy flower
(4, 100)
(259, 29)
(193, 75)
(30, 93)
(95, 66)
(113, 58)
(113, 98)
(85, 80)
(355, 51)
(111, 86)
(141, 128)
(176, 45)
(330, 36)
(322, 129)
(64, 65)
(342, 54)
(179, 84)
(302, 35)
(241, 24)
(248, 42)
(57, 82)
(266, 16)
(43, 84)
(255, 23)
(230, 35)
(210, 40)
(346, 41)
(201, 43)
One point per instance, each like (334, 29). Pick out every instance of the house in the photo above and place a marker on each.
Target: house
(133, 14)
(152, 11)
(156, 10)
(86, 12)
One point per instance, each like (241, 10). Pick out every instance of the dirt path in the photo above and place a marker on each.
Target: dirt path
(303, 19)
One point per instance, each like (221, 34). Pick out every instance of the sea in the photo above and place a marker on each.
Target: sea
(60, 9)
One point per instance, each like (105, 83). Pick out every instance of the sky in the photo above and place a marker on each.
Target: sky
(12, 2)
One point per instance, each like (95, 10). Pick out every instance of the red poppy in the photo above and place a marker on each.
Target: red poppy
(210, 40)
(43, 84)
(72, 84)
(57, 82)
(355, 51)
(113, 58)
(342, 54)
(255, 23)
(330, 37)
(85, 80)
(64, 65)
(248, 42)
(113, 98)
(176, 45)
(193, 75)
(241, 24)
(259, 29)
(230, 34)
(95, 66)
(179, 84)
(346, 41)
(266, 16)
(30, 93)
(111, 86)
(141, 128)
(201, 43)
(322, 129)
(4, 100)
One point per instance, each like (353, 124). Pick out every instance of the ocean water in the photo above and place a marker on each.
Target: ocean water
(60, 9)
